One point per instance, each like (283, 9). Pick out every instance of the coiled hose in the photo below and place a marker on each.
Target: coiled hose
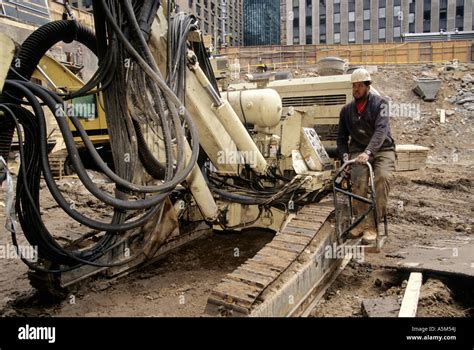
(32, 50)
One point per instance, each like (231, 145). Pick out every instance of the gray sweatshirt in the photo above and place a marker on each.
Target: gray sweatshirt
(369, 131)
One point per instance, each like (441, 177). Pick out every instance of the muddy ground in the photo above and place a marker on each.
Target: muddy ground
(438, 202)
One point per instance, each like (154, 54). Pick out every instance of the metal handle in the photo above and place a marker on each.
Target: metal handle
(372, 201)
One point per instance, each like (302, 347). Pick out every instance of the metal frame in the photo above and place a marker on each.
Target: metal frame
(372, 205)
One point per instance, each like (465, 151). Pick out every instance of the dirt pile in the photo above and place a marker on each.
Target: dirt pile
(451, 142)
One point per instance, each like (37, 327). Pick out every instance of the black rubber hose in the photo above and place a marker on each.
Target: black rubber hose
(55, 192)
(35, 231)
(45, 37)
(6, 136)
(149, 162)
(138, 204)
(32, 50)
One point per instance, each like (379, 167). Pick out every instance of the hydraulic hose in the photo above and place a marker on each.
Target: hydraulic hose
(45, 37)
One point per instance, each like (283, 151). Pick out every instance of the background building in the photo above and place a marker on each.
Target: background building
(371, 21)
(33, 12)
(212, 13)
(261, 22)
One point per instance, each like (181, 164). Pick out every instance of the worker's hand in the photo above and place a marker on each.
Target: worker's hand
(362, 158)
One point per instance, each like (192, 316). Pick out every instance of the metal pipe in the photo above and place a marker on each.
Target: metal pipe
(234, 127)
(200, 190)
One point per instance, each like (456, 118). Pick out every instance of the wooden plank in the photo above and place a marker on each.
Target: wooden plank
(412, 294)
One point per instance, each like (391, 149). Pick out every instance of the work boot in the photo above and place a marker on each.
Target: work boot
(356, 232)
(369, 237)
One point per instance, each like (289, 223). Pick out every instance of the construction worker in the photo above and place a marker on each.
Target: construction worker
(364, 135)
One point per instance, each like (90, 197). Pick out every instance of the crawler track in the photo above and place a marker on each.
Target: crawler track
(282, 275)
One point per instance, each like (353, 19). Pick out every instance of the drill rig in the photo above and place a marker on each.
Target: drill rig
(185, 161)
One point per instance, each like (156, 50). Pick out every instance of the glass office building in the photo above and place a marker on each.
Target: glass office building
(261, 22)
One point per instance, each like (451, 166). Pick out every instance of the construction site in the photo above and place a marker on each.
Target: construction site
(151, 177)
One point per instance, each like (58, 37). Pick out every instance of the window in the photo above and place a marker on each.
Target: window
(396, 11)
(322, 25)
(382, 3)
(366, 4)
(352, 37)
(322, 38)
(397, 32)
(427, 16)
(352, 26)
(411, 16)
(366, 14)
(382, 12)
(337, 8)
(382, 23)
(351, 5)
(460, 15)
(366, 35)
(366, 25)
(382, 33)
(443, 15)
(337, 28)
(351, 16)
(322, 10)
(190, 4)
(337, 38)
(337, 18)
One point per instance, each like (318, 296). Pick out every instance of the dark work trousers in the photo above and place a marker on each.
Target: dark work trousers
(383, 164)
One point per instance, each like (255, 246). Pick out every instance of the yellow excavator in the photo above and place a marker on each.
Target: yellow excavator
(187, 158)
(88, 109)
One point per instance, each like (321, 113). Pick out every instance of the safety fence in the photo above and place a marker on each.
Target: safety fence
(296, 56)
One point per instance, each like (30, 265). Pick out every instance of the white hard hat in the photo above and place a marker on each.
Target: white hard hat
(360, 75)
